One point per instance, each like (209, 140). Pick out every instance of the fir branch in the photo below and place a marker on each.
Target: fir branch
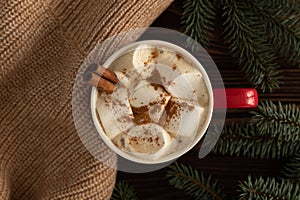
(123, 191)
(281, 8)
(282, 4)
(249, 47)
(291, 168)
(274, 132)
(247, 140)
(193, 183)
(197, 20)
(280, 120)
(282, 26)
(268, 189)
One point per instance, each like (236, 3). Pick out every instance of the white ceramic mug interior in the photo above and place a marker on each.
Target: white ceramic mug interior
(200, 133)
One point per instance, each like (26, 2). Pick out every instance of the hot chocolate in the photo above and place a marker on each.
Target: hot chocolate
(159, 105)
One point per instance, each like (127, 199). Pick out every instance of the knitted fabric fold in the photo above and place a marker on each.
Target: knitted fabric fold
(42, 44)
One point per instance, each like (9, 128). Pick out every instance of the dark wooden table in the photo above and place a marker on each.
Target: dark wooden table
(227, 170)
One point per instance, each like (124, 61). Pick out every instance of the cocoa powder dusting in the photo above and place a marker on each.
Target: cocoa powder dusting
(178, 56)
(189, 107)
(172, 110)
(141, 115)
(150, 139)
(122, 140)
(157, 141)
(174, 67)
(155, 86)
(155, 54)
(147, 61)
(162, 101)
(119, 102)
(106, 100)
(124, 119)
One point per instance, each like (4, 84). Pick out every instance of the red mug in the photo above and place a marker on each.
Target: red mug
(235, 98)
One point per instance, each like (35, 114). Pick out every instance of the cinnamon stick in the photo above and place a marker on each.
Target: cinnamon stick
(99, 82)
(103, 72)
(100, 77)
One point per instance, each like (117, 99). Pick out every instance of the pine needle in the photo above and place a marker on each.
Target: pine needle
(123, 191)
(282, 23)
(257, 32)
(292, 168)
(273, 133)
(248, 46)
(247, 140)
(198, 20)
(193, 183)
(280, 120)
(267, 189)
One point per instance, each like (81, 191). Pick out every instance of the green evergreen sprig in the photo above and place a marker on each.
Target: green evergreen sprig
(282, 24)
(247, 140)
(291, 168)
(123, 191)
(274, 133)
(266, 189)
(287, 6)
(197, 20)
(257, 33)
(280, 120)
(193, 183)
(248, 45)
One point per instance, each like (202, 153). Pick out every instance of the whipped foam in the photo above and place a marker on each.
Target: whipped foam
(159, 105)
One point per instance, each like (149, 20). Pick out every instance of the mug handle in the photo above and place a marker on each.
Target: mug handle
(236, 98)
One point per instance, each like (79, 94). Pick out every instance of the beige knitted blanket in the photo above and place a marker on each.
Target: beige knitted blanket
(42, 44)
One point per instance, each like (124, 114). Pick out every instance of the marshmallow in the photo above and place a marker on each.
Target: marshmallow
(166, 57)
(183, 118)
(123, 63)
(115, 112)
(148, 138)
(144, 55)
(176, 84)
(143, 60)
(198, 86)
(106, 116)
(150, 99)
